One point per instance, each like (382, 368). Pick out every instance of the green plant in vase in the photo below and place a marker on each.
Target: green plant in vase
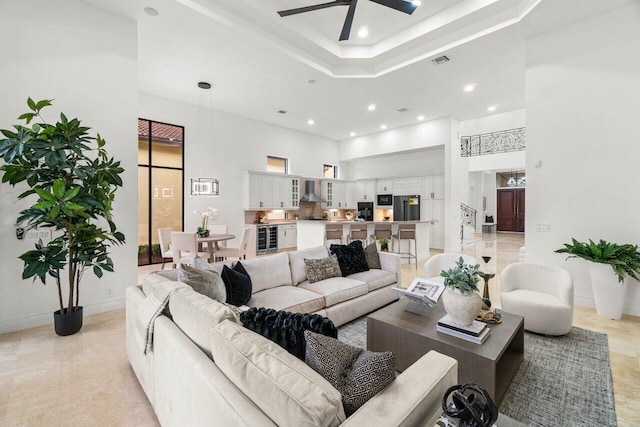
(73, 183)
(461, 299)
(384, 244)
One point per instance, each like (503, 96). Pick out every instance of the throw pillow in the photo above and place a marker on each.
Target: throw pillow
(357, 374)
(322, 268)
(287, 329)
(351, 257)
(237, 283)
(371, 254)
(205, 282)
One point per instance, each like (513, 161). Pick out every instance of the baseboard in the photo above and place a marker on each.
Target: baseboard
(47, 318)
(587, 301)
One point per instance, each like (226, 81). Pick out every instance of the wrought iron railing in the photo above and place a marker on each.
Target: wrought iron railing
(468, 217)
(492, 143)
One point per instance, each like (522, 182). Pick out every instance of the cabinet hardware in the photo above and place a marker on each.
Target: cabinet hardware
(260, 204)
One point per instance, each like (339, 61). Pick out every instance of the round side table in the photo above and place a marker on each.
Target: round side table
(486, 276)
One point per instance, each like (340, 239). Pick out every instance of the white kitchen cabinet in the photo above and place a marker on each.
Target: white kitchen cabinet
(366, 190)
(270, 191)
(287, 236)
(350, 195)
(339, 194)
(433, 187)
(407, 186)
(384, 186)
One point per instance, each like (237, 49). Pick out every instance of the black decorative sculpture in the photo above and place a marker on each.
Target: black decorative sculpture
(470, 405)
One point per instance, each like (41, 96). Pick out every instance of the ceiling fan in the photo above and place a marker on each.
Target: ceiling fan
(400, 5)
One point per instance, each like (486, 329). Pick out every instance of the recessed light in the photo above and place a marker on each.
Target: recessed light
(383, 127)
(363, 32)
(470, 87)
(416, 2)
(371, 107)
(311, 81)
(282, 111)
(352, 134)
(204, 85)
(492, 108)
(420, 118)
(150, 11)
(310, 121)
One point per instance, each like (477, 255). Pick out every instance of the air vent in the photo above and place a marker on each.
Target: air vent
(282, 111)
(403, 110)
(440, 59)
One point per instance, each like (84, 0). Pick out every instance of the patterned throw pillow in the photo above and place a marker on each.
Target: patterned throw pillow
(351, 257)
(322, 268)
(371, 254)
(205, 282)
(237, 283)
(357, 374)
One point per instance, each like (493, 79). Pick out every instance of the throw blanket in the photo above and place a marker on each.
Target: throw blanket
(152, 307)
(287, 329)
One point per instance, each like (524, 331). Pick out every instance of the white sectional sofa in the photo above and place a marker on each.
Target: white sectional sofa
(206, 369)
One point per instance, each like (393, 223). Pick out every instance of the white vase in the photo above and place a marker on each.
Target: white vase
(462, 308)
(608, 294)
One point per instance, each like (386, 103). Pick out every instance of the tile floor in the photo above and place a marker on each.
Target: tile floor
(86, 380)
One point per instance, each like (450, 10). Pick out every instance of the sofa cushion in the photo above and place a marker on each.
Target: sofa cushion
(336, 289)
(322, 268)
(268, 271)
(371, 254)
(206, 282)
(375, 279)
(285, 328)
(358, 375)
(289, 298)
(296, 261)
(351, 257)
(153, 279)
(195, 314)
(237, 283)
(283, 387)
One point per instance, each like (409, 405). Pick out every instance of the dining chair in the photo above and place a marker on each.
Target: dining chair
(185, 248)
(358, 232)
(219, 229)
(333, 231)
(381, 231)
(240, 251)
(164, 237)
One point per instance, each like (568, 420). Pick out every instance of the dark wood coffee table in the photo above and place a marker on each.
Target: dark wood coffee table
(409, 336)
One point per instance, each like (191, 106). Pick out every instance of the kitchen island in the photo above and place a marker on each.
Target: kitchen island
(311, 234)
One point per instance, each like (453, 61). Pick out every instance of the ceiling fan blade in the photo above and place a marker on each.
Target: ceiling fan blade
(401, 5)
(314, 7)
(346, 28)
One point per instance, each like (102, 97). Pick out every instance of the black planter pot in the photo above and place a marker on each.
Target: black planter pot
(68, 323)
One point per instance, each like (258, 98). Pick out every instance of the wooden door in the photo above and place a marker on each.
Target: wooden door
(507, 201)
(520, 204)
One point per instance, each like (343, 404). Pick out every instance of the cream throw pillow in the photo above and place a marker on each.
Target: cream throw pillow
(282, 386)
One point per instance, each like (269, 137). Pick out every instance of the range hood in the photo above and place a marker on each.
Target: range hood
(310, 193)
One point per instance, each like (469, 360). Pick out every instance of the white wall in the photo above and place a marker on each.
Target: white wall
(222, 146)
(429, 161)
(582, 101)
(85, 59)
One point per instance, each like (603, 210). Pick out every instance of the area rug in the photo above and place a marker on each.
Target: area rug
(562, 381)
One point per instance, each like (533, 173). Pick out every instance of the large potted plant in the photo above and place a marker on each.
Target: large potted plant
(461, 298)
(610, 268)
(72, 183)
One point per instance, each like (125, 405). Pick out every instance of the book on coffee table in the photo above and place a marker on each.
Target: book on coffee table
(426, 291)
(477, 340)
(475, 329)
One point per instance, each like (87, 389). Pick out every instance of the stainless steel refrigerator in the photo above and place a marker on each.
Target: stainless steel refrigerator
(406, 208)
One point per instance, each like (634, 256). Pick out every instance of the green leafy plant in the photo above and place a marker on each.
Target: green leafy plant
(74, 181)
(624, 259)
(383, 241)
(463, 277)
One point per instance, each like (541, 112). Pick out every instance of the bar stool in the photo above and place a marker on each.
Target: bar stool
(332, 232)
(381, 231)
(358, 232)
(406, 232)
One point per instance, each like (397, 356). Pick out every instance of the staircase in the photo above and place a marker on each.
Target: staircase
(468, 219)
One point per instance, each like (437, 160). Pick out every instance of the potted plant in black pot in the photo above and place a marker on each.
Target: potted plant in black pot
(73, 182)
(610, 267)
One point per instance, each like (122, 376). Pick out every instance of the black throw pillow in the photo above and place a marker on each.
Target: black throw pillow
(237, 283)
(351, 257)
(287, 329)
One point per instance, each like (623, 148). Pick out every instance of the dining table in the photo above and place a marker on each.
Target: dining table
(212, 243)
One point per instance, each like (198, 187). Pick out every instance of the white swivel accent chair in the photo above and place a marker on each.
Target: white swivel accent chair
(240, 251)
(434, 265)
(542, 294)
(185, 248)
(164, 237)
